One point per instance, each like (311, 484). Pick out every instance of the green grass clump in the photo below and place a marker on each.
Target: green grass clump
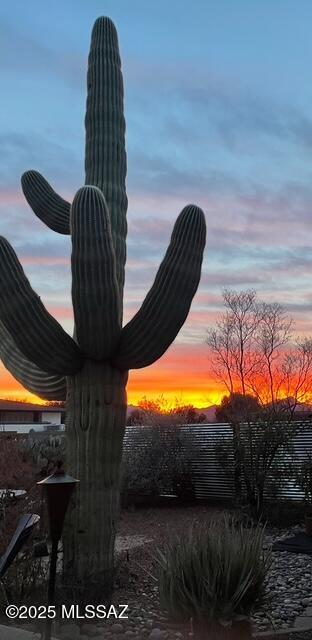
(215, 573)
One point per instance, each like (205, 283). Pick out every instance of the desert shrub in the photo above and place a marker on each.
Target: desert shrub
(23, 461)
(158, 460)
(26, 579)
(44, 451)
(16, 472)
(304, 478)
(214, 573)
(266, 460)
(160, 412)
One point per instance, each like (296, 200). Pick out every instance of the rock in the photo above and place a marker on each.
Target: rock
(89, 630)
(116, 628)
(288, 582)
(303, 622)
(158, 634)
(69, 631)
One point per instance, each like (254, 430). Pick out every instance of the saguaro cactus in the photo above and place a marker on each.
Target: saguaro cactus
(90, 370)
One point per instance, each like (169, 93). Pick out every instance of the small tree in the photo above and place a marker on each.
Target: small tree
(161, 412)
(189, 415)
(235, 409)
(266, 374)
(156, 412)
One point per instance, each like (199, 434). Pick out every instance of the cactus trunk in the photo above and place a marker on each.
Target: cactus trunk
(93, 367)
(95, 424)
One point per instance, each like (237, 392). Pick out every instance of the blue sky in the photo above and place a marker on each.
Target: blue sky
(218, 102)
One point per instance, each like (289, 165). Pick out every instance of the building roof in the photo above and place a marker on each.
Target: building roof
(14, 405)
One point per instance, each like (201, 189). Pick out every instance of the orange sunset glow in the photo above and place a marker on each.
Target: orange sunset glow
(181, 375)
(225, 135)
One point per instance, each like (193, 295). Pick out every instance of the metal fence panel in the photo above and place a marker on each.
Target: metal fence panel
(210, 479)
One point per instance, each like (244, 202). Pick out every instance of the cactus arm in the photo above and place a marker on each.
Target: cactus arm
(105, 161)
(40, 338)
(45, 202)
(147, 336)
(44, 385)
(95, 294)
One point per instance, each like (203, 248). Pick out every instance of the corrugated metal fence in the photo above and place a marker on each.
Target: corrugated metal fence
(210, 479)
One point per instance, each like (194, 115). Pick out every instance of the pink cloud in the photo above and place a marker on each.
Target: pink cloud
(45, 260)
(10, 196)
(60, 312)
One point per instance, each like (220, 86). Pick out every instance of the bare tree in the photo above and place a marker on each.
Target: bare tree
(232, 341)
(253, 352)
(254, 355)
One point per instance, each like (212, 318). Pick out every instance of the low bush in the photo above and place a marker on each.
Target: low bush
(304, 479)
(44, 450)
(214, 573)
(258, 459)
(26, 579)
(157, 460)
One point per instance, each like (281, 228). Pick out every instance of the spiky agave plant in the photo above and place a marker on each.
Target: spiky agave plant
(90, 370)
(214, 573)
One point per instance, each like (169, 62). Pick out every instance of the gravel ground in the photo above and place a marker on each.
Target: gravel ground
(141, 531)
(289, 584)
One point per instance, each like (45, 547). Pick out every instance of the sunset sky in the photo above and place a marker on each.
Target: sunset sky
(218, 104)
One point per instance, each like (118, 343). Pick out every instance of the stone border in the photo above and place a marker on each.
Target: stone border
(17, 633)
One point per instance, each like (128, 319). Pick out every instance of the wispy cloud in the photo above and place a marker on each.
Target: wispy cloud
(201, 128)
(34, 56)
(58, 161)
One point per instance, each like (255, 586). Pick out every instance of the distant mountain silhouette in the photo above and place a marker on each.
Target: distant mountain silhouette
(210, 412)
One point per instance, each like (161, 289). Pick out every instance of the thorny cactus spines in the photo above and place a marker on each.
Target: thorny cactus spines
(150, 332)
(95, 292)
(91, 369)
(105, 160)
(45, 202)
(39, 337)
(49, 386)
(97, 222)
